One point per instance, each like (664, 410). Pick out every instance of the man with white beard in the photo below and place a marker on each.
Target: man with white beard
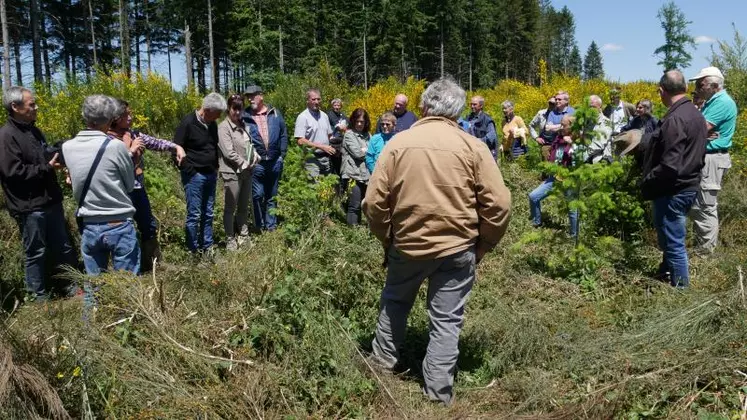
(269, 136)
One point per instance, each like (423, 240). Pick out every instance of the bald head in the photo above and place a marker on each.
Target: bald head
(673, 82)
(400, 104)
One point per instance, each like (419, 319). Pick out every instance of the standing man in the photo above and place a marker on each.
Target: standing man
(313, 130)
(673, 159)
(339, 124)
(720, 113)
(32, 195)
(405, 118)
(552, 124)
(601, 145)
(198, 135)
(103, 176)
(537, 125)
(481, 125)
(618, 112)
(269, 136)
(457, 179)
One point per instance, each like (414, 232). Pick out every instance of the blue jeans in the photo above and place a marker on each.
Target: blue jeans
(670, 215)
(535, 205)
(146, 223)
(99, 241)
(265, 182)
(199, 190)
(45, 240)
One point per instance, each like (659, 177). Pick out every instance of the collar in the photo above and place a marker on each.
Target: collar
(91, 133)
(722, 92)
(234, 127)
(200, 120)
(428, 120)
(20, 124)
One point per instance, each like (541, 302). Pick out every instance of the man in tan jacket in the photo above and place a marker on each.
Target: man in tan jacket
(438, 204)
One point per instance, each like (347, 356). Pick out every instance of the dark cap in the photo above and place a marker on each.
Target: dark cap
(253, 90)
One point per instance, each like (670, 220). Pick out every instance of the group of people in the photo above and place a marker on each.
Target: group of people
(430, 189)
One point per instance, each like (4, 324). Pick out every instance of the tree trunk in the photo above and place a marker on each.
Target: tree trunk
(280, 47)
(6, 45)
(137, 54)
(124, 37)
(187, 56)
(17, 56)
(45, 52)
(93, 35)
(35, 42)
(147, 34)
(214, 75)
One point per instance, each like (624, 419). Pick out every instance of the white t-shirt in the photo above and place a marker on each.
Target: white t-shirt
(618, 117)
(314, 128)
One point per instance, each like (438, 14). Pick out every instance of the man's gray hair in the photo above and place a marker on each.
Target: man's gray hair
(13, 95)
(315, 90)
(565, 94)
(507, 103)
(443, 98)
(336, 101)
(714, 80)
(673, 82)
(214, 102)
(595, 100)
(99, 109)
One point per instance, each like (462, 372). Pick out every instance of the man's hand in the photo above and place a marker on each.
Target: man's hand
(713, 135)
(327, 149)
(180, 155)
(53, 163)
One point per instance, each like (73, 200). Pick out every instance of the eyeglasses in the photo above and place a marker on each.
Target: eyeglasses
(386, 124)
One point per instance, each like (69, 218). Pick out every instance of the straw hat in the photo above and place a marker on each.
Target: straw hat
(626, 142)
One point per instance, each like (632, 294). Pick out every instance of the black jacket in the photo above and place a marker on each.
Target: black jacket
(29, 182)
(675, 152)
(200, 143)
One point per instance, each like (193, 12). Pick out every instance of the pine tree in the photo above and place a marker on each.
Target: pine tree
(593, 67)
(677, 38)
(575, 65)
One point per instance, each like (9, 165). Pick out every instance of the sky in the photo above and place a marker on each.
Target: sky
(628, 32)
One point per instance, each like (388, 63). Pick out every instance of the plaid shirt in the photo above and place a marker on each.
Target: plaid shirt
(261, 119)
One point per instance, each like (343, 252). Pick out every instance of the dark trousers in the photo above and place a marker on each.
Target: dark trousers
(354, 202)
(146, 223)
(45, 242)
(265, 182)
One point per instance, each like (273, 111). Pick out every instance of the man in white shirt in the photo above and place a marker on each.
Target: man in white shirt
(618, 111)
(314, 130)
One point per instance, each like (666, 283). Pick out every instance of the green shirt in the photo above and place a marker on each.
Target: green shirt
(721, 112)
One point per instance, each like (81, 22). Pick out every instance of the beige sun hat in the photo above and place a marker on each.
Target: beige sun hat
(626, 142)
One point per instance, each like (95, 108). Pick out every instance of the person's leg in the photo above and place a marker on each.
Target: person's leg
(211, 182)
(704, 212)
(674, 229)
(122, 239)
(259, 202)
(572, 215)
(272, 183)
(354, 204)
(243, 198)
(313, 167)
(403, 280)
(60, 245)
(535, 200)
(147, 226)
(33, 226)
(95, 258)
(448, 289)
(231, 196)
(193, 195)
(660, 206)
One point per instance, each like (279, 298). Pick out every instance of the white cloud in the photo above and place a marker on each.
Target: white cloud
(703, 39)
(611, 47)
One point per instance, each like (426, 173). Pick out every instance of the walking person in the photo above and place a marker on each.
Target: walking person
(198, 135)
(672, 161)
(354, 149)
(269, 135)
(137, 143)
(436, 219)
(720, 113)
(237, 159)
(32, 195)
(103, 176)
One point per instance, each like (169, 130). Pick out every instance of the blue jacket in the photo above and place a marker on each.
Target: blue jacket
(375, 146)
(278, 134)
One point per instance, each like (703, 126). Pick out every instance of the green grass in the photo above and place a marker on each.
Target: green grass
(276, 330)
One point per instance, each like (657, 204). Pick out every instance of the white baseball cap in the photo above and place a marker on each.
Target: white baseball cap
(708, 72)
